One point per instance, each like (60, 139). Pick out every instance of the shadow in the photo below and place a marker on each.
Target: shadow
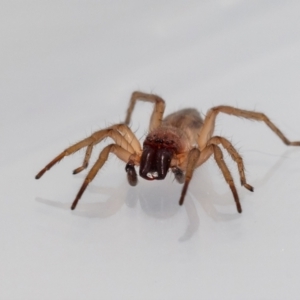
(204, 192)
(159, 199)
(193, 217)
(64, 206)
(102, 209)
(275, 168)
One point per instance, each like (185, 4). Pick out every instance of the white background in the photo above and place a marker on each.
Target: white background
(69, 68)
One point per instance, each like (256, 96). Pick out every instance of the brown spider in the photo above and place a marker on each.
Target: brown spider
(182, 142)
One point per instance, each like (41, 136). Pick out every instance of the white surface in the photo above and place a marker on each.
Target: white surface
(68, 68)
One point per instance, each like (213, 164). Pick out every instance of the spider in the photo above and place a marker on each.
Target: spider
(180, 142)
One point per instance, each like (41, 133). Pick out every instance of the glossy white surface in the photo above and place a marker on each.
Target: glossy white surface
(68, 69)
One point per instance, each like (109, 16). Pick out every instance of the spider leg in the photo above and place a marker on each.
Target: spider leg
(89, 142)
(235, 157)
(205, 154)
(120, 152)
(87, 157)
(226, 173)
(193, 157)
(114, 131)
(129, 136)
(74, 148)
(209, 123)
(159, 108)
(202, 158)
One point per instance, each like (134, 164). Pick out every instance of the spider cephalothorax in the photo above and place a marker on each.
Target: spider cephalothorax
(181, 142)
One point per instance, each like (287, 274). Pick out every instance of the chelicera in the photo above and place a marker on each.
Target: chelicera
(180, 142)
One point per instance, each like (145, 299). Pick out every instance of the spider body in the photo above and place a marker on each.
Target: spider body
(167, 146)
(180, 142)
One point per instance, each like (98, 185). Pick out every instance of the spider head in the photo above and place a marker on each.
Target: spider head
(158, 152)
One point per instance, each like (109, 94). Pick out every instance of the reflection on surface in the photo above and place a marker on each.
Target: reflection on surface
(159, 199)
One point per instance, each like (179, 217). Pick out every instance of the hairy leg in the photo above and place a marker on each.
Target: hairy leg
(126, 133)
(235, 156)
(193, 157)
(129, 136)
(182, 167)
(120, 152)
(227, 175)
(89, 142)
(159, 108)
(202, 158)
(207, 129)
(86, 159)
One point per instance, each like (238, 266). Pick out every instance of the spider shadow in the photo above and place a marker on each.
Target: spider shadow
(102, 209)
(209, 199)
(159, 199)
(283, 157)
